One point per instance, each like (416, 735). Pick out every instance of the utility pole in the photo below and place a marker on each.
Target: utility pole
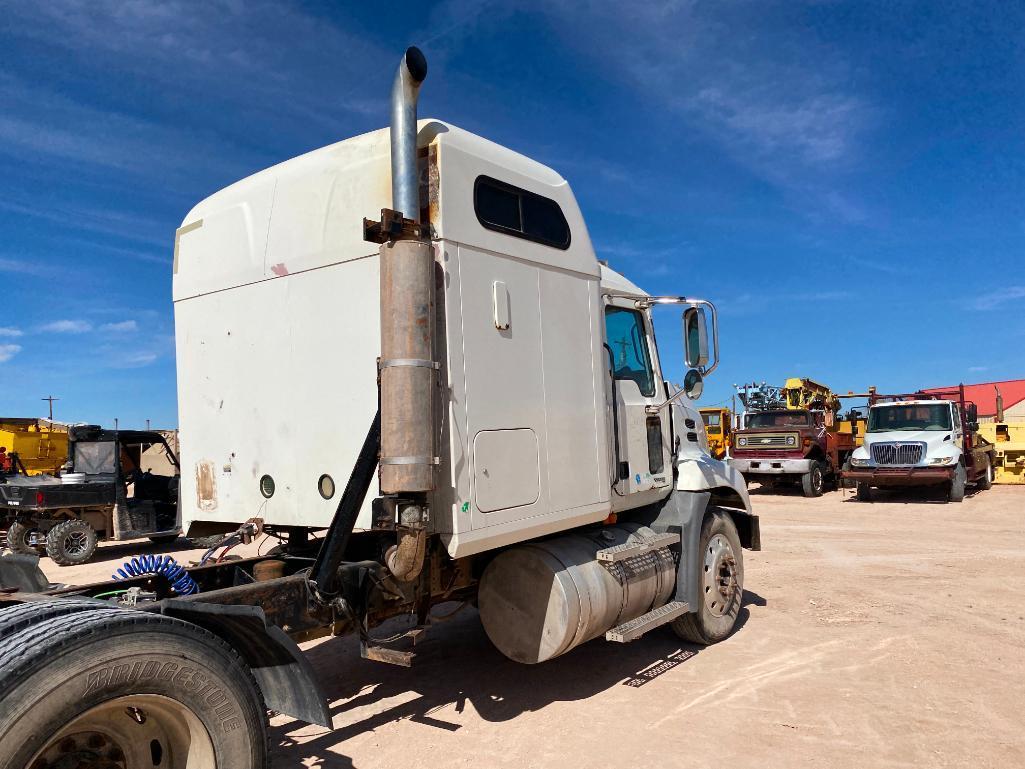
(50, 399)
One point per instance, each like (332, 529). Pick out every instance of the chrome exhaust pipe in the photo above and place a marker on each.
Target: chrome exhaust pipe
(405, 177)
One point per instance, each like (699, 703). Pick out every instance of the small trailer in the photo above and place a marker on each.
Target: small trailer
(502, 386)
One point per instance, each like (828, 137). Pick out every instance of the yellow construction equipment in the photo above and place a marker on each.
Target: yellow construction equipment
(1009, 456)
(718, 427)
(41, 445)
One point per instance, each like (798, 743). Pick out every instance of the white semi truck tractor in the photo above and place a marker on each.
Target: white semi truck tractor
(405, 341)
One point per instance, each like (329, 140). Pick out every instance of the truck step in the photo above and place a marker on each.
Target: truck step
(401, 657)
(631, 549)
(635, 628)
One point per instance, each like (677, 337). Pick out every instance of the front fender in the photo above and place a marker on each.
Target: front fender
(699, 472)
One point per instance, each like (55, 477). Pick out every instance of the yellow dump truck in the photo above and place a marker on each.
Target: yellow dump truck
(1009, 454)
(41, 445)
(718, 426)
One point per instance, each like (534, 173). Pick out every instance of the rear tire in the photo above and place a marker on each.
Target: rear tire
(864, 492)
(18, 539)
(126, 688)
(722, 583)
(813, 482)
(71, 543)
(957, 486)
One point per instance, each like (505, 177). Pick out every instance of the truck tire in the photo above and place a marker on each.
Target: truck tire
(985, 483)
(70, 543)
(16, 618)
(111, 687)
(18, 539)
(722, 583)
(813, 481)
(956, 491)
(864, 492)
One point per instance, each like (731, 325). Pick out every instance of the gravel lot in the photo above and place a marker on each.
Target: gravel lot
(888, 634)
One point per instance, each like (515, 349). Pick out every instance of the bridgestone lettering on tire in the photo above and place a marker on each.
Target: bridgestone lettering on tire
(721, 580)
(123, 680)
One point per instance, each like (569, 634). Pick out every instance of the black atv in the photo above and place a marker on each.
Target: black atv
(117, 484)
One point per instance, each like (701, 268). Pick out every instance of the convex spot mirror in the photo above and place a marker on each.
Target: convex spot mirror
(693, 385)
(695, 338)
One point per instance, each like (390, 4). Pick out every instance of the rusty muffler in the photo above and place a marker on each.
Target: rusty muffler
(407, 365)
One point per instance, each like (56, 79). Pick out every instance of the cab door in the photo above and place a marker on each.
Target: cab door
(641, 441)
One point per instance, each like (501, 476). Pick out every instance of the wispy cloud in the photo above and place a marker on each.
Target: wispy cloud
(67, 327)
(10, 331)
(24, 266)
(978, 369)
(125, 326)
(8, 351)
(996, 299)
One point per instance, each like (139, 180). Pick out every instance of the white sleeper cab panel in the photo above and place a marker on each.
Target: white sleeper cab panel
(507, 468)
(288, 390)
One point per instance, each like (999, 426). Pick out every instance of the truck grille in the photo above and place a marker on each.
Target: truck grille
(766, 441)
(897, 453)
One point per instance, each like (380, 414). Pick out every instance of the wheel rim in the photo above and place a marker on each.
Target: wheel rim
(127, 732)
(816, 478)
(76, 543)
(720, 576)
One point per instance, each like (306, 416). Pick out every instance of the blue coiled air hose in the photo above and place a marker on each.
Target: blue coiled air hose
(164, 565)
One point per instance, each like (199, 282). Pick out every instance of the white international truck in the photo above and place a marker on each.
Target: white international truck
(922, 440)
(425, 307)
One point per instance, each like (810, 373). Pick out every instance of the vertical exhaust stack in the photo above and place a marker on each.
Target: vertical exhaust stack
(407, 313)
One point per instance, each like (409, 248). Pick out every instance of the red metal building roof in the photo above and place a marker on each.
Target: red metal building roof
(984, 395)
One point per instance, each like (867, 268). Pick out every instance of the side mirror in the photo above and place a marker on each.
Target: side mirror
(973, 412)
(695, 338)
(693, 384)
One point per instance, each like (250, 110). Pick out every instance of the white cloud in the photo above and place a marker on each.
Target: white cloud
(10, 331)
(994, 299)
(8, 351)
(124, 326)
(978, 369)
(134, 359)
(24, 267)
(67, 327)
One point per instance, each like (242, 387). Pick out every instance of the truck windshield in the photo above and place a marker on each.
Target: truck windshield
(930, 416)
(712, 420)
(94, 458)
(778, 419)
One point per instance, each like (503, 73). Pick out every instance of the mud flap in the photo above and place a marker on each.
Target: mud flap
(285, 676)
(22, 573)
(683, 514)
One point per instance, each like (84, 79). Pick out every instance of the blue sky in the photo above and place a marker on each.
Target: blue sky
(843, 178)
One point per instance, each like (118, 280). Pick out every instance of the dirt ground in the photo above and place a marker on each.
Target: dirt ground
(888, 634)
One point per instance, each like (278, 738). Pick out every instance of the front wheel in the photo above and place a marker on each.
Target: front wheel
(813, 481)
(722, 583)
(71, 543)
(109, 687)
(957, 486)
(864, 492)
